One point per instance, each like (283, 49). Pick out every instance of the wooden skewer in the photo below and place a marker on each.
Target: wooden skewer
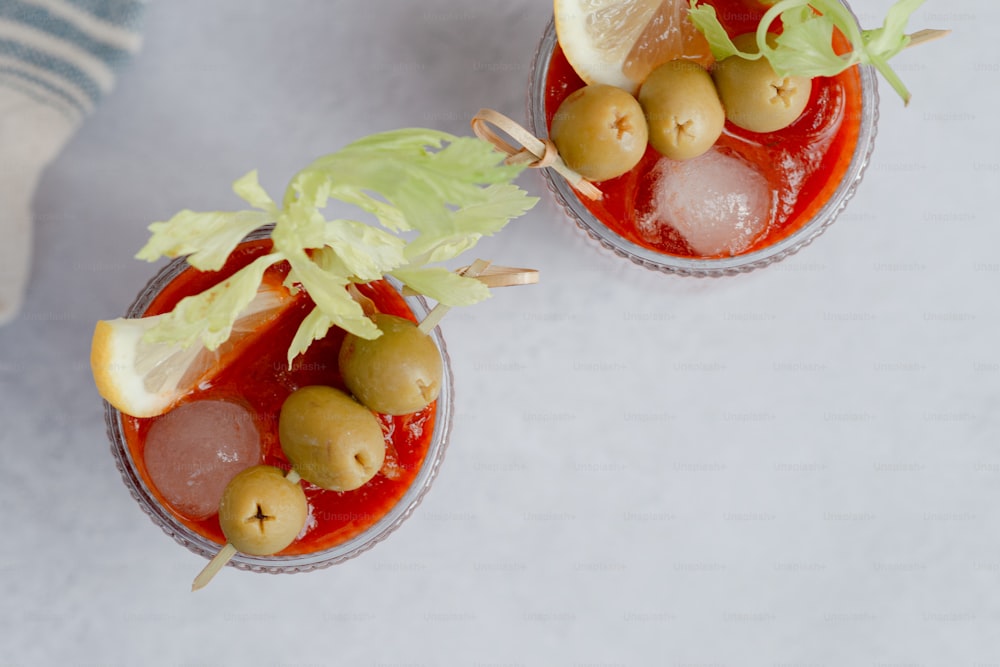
(227, 552)
(534, 152)
(924, 36)
(493, 276)
(440, 310)
(225, 555)
(503, 276)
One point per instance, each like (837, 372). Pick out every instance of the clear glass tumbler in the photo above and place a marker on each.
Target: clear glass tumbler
(197, 543)
(571, 202)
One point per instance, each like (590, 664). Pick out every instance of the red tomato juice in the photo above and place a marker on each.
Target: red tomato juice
(804, 163)
(258, 377)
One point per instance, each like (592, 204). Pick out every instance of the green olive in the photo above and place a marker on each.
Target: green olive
(600, 132)
(682, 109)
(754, 96)
(261, 512)
(395, 374)
(331, 440)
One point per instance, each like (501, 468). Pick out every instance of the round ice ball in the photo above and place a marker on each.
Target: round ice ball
(718, 202)
(193, 451)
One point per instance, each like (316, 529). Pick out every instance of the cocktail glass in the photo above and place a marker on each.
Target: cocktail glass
(171, 524)
(572, 202)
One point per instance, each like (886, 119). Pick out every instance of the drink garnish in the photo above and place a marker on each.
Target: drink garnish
(442, 192)
(805, 46)
(528, 149)
(229, 549)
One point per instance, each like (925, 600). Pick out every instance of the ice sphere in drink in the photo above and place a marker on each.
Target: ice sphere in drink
(719, 203)
(193, 451)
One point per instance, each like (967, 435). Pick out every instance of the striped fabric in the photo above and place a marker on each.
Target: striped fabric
(57, 59)
(63, 53)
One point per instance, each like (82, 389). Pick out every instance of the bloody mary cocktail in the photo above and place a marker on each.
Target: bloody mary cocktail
(807, 171)
(257, 376)
(272, 399)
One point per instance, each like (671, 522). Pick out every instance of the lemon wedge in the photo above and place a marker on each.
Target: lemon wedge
(619, 42)
(144, 379)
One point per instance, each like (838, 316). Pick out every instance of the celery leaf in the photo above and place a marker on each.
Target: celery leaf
(805, 45)
(208, 317)
(432, 196)
(206, 238)
(443, 285)
(707, 22)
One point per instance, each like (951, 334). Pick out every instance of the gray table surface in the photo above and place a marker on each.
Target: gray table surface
(797, 466)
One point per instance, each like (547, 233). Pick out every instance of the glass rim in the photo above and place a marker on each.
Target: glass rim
(574, 208)
(355, 546)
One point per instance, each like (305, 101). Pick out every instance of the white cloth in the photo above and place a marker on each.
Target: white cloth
(57, 58)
